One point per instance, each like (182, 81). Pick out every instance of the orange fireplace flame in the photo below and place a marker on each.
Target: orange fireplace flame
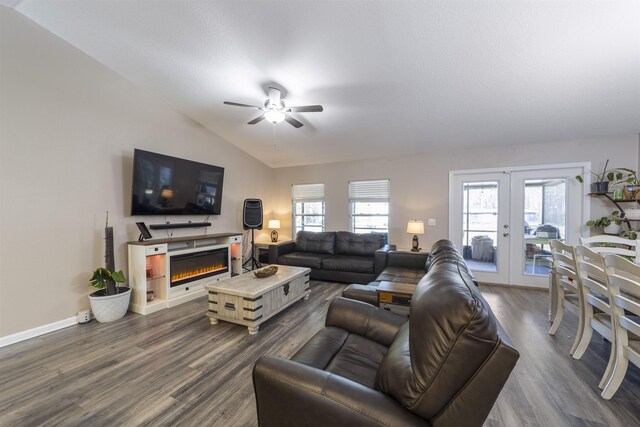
(196, 273)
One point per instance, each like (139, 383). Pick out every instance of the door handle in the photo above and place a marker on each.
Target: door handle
(505, 234)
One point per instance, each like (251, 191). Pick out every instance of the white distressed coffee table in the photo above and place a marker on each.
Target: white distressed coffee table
(248, 300)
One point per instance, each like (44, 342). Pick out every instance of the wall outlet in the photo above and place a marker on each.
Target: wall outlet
(431, 221)
(84, 316)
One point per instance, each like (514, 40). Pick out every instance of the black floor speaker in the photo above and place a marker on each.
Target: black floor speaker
(252, 214)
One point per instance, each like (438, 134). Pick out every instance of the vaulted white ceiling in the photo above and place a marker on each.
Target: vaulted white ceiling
(394, 77)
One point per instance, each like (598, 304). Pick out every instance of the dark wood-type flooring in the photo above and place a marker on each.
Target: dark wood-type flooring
(173, 368)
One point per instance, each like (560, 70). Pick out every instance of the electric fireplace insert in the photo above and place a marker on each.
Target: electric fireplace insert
(189, 267)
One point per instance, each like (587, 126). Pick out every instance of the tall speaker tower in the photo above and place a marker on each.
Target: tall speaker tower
(252, 220)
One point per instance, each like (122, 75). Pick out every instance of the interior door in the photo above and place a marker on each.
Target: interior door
(479, 223)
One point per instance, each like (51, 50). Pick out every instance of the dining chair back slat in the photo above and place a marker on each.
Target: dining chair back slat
(595, 291)
(565, 288)
(624, 289)
(623, 246)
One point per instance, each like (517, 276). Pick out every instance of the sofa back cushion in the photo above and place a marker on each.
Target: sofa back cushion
(358, 244)
(449, 336)
(444, 251)
(320, 243)
(404, 259)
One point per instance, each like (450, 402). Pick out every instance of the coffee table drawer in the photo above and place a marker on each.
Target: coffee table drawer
(233, 307)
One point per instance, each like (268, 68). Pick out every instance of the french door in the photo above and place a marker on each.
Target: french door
(504, 221)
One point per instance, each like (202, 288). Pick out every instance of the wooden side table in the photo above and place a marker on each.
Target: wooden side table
(262, 249)
(408, 250)
(395, 296)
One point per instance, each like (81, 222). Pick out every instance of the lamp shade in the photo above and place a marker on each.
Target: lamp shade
(274, 224)
(415, 227)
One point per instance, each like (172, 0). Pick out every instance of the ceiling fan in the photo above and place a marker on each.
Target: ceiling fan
(276, 111)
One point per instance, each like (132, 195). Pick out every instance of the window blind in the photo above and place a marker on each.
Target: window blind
(307, 192)
(374, 191)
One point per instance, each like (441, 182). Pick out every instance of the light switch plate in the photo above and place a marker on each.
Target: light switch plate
(431, 221)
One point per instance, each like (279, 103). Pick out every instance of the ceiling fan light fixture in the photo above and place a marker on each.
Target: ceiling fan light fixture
(274, 116)
(275, 110)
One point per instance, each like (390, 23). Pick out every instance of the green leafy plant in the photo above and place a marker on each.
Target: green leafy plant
(107, 280)
(627, 176)
(630, 181)
(606, 175)
(630, 234)
(605, 221)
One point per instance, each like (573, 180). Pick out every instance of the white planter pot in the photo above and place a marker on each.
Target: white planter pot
(612, 228)
(111, 307)
(633, 214)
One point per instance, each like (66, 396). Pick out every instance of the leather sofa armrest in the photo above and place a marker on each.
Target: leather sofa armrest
(407, 259)
(290, 393)
(380, 258)
(364, 319)
(276, 250)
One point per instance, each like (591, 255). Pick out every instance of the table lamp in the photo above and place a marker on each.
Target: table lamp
(415, 227)
(274, 225)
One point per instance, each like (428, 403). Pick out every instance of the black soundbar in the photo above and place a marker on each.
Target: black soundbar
(179, 225)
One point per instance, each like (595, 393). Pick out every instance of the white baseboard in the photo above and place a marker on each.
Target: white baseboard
(37, 331)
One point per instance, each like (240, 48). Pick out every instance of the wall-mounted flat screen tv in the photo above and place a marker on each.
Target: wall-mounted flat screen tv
(165, 185)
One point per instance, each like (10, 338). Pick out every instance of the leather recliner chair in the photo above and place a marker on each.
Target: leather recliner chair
(445, 366)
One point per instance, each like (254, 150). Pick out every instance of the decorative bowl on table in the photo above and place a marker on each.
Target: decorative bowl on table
(266, 271)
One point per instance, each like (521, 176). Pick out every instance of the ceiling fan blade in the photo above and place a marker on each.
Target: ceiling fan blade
(274, 96)
(306, 109)
(240, 105)
(256, 120)
(293, 122)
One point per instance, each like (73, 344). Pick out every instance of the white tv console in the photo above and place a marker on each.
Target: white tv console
(149, 268)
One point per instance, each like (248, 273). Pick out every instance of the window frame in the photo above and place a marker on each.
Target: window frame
(383, 196)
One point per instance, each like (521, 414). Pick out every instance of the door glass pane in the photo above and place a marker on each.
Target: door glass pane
(544, 220)
(480, 225)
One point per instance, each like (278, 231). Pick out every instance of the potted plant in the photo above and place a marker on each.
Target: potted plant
(601, 180)
(610, 224)
(630, 182)
(630, 234)
(111, 301)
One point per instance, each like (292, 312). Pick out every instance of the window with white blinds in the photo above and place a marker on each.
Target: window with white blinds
(307, 192)
(369, 206)
(307, 207)
(375, 190)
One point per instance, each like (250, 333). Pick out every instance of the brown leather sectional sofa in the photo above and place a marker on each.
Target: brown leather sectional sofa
(407, 267)
(444, 366)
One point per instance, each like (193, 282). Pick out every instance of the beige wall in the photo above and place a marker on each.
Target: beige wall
(68, 129)
(419, 184)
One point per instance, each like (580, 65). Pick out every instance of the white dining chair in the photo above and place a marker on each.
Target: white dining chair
(624, 292)
(613, 245)
(598, 313)
(567, 288)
